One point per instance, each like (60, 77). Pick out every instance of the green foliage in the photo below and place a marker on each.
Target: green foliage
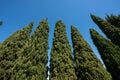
(112, 32)
(87, 66)
(61, 66)
(11, 50)
(0, 44)
(109, 52)
(113, 20)
(1, 23)
(24, 56)
(32, 65)
(39, 46)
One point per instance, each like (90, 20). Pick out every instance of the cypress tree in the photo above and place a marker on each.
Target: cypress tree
(61, 66)
(40, 50)
(109, 52)
(33, 64)
(112, 32)
(113, 20)
(21, 65)
(1, 23)
(11, 50)
(16, 42)
(87, 66)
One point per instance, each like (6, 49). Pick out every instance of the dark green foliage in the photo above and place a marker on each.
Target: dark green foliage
(61, 66)
(113, 20)
(87, 66)
(109, 52)
(112, 32)
(1, 23)
(40, 42)
(33, 64)
(39, 47)
(11, 50)
(0, 44)
(14, 44)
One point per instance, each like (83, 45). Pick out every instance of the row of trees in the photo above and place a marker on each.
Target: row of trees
(24, 56)
(109, 49)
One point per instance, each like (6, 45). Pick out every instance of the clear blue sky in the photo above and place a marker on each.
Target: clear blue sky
(16, 14)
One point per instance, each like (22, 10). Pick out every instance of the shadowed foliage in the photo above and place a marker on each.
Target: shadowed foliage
(112, 32)
(87, 66)
(113, 20)
(109, 52)
(1, 23)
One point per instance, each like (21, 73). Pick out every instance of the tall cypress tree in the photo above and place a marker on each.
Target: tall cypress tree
(87, 66)
(61, 66)
(109, 52)
(11, 50)
(110, 31)
(39, 52)
(33, 64)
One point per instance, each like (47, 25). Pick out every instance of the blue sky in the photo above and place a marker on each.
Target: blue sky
(16, 14)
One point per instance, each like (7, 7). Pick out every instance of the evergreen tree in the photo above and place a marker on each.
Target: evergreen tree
(109, 52)
(113, 20)
(11, 50)
(87, 66)
(33, 64)
(61, 66)
(110, 31)
(40, 49)
(1, 23)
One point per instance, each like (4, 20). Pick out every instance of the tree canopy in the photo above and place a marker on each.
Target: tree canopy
(87, 65)
(109, 49)
(61, 63)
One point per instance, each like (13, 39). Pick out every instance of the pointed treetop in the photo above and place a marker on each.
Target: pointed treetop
(44, 21)
(59, 23)
(80, 41)
(109, 30)
(29, 27)
(20, 34)
(96, 19)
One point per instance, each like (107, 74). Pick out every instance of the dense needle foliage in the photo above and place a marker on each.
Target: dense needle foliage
(11, 50)
(113, 20)
(112, 32)
(39, 46)
(108, 49)
(109, 52)
(87, 66)
(23, 56)
(33, 63)
(61, 66)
